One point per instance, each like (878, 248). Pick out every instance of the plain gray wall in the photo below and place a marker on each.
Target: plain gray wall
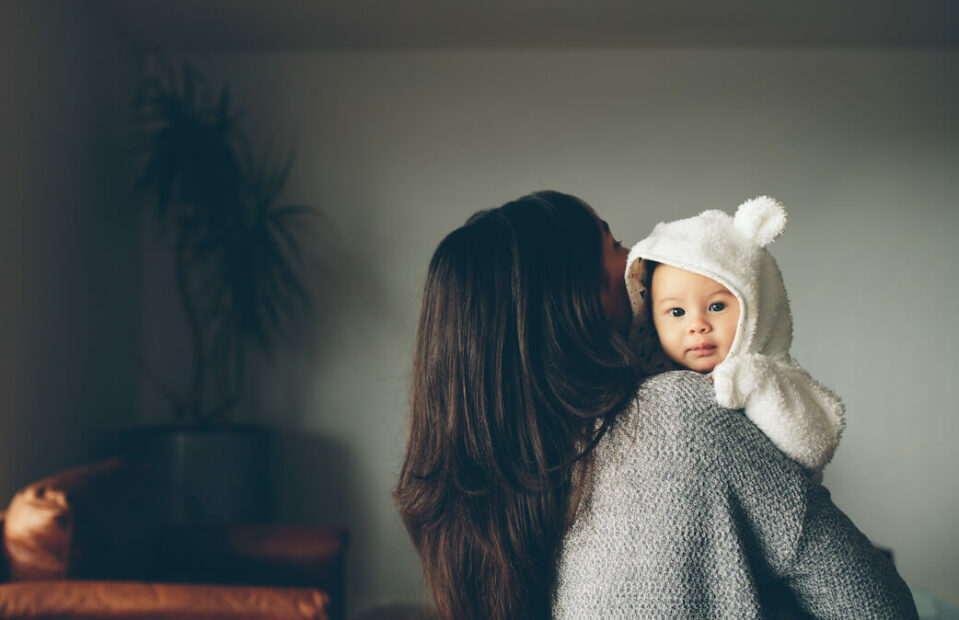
(69, 239)
(397, 149)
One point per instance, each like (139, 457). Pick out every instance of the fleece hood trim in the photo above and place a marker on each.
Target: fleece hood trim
(730, 250)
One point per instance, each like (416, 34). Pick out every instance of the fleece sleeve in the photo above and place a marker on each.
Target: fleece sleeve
(800, 415)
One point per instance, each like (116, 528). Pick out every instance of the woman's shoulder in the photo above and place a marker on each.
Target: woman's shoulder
(683, 389)
(680, 402)
(676, 432)
(675, 415)
(673, 486)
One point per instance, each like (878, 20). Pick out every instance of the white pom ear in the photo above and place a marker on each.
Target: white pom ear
(761, 219)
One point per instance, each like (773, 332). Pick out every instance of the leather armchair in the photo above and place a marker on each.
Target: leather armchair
(82, 544)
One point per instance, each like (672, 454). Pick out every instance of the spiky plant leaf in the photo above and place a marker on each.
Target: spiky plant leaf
(238, 251)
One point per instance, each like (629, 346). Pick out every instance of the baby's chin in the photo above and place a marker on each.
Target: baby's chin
(703, 369)
(701, 365)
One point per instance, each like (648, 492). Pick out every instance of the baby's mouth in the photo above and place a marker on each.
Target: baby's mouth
(701, 349)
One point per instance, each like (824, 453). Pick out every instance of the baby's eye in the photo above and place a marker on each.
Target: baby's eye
(677, 312)
(717, 306)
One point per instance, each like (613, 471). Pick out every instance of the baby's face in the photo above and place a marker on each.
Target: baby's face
(695, 317)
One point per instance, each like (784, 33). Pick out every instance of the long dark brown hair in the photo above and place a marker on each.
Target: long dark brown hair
(514, 364)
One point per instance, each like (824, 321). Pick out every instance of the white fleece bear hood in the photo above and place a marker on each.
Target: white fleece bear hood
(799, 414)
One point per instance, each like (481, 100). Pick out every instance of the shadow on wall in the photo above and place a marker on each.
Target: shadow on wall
(314, 482)
(350, 300)
(348, 284)
(314, 474)
(326, 396)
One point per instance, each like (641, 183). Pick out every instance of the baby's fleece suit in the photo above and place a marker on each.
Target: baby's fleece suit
(800, 415)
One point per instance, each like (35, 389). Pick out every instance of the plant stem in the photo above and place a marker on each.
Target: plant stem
(176, 401)
(195, 401)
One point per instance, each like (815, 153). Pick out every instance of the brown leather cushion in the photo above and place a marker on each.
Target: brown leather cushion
(114, 600)
(301, 556)
(87, 522)
(304, 556)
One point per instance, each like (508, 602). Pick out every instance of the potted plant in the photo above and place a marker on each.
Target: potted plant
(238, 276)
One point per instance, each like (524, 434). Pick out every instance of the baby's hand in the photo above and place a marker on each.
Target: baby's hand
(800, 415)
(737, 377)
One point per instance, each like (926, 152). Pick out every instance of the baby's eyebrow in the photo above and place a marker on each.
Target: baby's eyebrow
(668, 300)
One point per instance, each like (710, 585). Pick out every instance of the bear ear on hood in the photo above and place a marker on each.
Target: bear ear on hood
(761, 219)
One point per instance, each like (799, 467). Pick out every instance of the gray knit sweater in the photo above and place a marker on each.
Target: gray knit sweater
(694, 513)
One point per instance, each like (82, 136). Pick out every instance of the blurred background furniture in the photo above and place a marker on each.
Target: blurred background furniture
(86, 543)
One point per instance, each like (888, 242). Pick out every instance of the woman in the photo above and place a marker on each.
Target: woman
(538, 482)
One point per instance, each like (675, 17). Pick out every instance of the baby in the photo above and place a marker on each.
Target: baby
(718, 305)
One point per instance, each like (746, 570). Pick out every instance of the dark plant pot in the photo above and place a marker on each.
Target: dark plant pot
(206, 475)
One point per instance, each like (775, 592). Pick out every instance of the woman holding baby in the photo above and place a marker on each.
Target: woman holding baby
(552, 472)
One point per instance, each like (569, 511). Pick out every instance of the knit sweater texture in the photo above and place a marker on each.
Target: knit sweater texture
(692, 512)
